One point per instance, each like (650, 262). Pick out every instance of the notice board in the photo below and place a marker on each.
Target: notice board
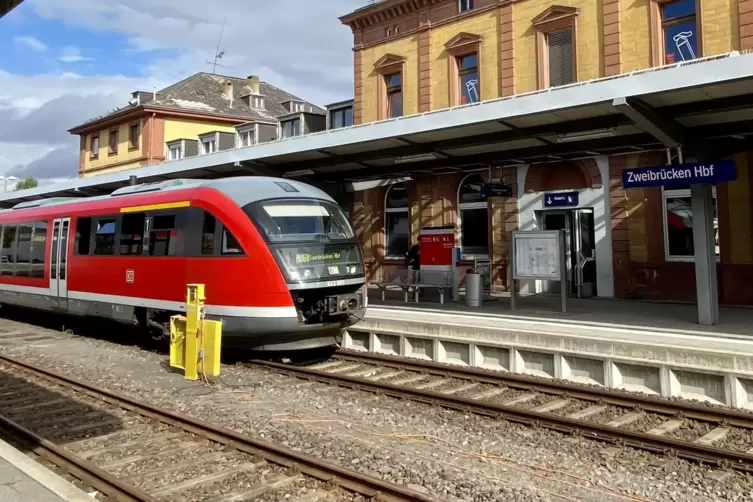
(538, 255)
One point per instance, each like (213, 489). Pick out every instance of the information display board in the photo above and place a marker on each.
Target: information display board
(436, 247)
(537, 255)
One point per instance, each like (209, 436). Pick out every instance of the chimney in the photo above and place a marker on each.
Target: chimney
(227, 90)
(253, 83)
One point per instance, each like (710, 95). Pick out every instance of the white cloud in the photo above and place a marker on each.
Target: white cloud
(302, 50)
(31, 43)
(72, 54)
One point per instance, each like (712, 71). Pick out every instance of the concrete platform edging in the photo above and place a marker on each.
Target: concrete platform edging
(42, 476)
(707, 368)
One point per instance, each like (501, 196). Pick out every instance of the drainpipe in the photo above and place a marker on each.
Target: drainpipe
(151, 139)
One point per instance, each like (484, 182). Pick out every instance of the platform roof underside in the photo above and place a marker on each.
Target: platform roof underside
(706, 105)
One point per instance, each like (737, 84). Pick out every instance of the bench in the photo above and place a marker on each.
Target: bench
(431, 279)
(401, 278)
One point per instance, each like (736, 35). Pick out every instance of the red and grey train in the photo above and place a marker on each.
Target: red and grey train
(281, 264)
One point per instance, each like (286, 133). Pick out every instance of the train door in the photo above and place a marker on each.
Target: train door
(59, 263)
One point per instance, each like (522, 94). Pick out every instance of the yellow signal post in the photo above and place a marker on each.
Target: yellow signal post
(195, 343)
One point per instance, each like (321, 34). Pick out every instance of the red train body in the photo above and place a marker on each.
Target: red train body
(282, 266)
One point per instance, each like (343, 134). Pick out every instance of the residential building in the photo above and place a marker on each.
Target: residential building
(200, 115)
(413, 57)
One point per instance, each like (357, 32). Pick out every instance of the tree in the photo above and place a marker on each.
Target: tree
(27, 182)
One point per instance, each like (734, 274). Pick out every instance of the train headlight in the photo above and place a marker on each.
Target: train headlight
(351, 269)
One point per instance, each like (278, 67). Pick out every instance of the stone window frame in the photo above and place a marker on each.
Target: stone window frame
(684, 193)
(656, 30)
(554, 18)
(461, 45)
(395, 210)
(471, 205)
(387, 65)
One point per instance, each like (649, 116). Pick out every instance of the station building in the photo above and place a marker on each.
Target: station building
(418, 56)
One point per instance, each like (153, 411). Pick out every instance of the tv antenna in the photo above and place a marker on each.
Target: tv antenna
(217, 52)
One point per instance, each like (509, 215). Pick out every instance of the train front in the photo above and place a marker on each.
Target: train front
(319, 255)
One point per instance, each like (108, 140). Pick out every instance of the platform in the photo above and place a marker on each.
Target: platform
(655, 348)
(24, 480)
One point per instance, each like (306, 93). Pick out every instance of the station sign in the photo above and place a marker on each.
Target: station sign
(561, 199)
(680, 174)
(496, 190)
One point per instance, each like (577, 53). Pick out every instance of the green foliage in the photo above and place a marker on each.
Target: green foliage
(27, 182)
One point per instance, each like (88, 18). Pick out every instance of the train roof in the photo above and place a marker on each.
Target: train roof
(242, 190)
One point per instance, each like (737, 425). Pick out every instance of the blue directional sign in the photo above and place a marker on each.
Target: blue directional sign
(680, 174)
(561, 199)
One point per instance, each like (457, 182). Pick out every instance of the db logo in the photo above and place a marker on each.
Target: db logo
(130, 276)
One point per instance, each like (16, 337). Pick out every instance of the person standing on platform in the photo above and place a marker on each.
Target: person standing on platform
(412, 257)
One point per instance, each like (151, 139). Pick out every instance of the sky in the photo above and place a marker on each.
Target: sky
(65, 62)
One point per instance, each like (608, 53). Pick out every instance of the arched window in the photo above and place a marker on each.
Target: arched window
(473, 217)
(397, 220)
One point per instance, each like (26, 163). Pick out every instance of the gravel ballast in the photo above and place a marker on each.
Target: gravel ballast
(448, 454)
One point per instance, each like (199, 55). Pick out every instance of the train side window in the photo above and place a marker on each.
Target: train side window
(132, 233)
(208, 229)
(163, 236)
(230, 243)
(104, 237)
(23, 249)
(8, 251)
(38, 254)
(83, 235)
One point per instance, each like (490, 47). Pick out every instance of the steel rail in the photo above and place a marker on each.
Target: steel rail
(368, 486)
(78, 467)
(657, 444)
(602, 396)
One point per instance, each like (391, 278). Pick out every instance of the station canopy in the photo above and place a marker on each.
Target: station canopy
(8, 5)
(704, 104)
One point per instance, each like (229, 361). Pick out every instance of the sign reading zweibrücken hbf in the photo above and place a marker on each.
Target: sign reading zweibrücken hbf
(680, 174)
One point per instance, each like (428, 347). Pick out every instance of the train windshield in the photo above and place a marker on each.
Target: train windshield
(302, 221)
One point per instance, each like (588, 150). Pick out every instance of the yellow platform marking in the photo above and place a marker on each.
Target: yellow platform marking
(155, 207)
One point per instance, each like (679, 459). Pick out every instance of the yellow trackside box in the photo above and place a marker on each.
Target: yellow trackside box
(195, 343)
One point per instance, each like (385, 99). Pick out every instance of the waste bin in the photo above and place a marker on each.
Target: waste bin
(473, 289)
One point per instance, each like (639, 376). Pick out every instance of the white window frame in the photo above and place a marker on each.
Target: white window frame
(206, 139)
(468, 4)
(180, 144)
(239, 133)
(672, 193)
(466, 206)
(394, 210)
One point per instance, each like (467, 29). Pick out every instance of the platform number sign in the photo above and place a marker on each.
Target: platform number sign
(130, 276)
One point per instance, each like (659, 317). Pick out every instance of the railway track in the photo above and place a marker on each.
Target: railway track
(128, 450)
(717, 436)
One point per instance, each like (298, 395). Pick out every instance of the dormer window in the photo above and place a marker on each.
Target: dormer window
(245, 137)
(209, 143)
(258, 102)
(291, 128)
(294, 106)
(175, 150)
